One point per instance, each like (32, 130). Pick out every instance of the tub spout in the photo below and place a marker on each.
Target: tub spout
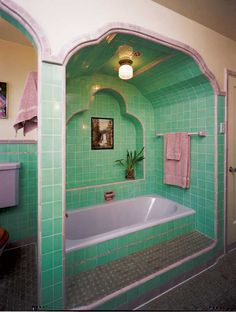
(109, 195)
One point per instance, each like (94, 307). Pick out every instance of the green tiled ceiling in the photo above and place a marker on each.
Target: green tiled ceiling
(156, 68)
(103, 58)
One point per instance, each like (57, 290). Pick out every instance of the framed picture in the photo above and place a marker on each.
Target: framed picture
(102, 133)
(3, 100)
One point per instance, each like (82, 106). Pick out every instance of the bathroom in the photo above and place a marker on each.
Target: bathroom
(172, 90)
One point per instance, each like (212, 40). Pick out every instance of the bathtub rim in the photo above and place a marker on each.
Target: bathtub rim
(99, 238)
(114, 201)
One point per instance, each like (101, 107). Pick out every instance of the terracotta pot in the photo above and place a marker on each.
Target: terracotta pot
(130, 174)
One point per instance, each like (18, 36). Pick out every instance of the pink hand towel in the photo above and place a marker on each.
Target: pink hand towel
(28, 107)
(177, 171)
(173, 146)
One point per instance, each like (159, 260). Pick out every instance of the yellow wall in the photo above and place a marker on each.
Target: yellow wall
(16, 61)
(78, 18)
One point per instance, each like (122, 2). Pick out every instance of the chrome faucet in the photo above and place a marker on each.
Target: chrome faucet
(109, 195)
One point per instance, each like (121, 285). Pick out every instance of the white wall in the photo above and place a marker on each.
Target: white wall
(16, 61)
(65, 20)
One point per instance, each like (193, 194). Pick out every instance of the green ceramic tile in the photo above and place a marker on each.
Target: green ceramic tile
(47, 262)
(57, 274)
(48, 280)
(57, 242)
(47, 243)
(57, 225)
(47, 227)
(47, 294)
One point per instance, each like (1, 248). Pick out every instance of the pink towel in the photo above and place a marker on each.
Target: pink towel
(177, 171)
(173, 146)
(28, 107)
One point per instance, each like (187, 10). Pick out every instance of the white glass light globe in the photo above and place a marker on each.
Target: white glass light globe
(125, 71)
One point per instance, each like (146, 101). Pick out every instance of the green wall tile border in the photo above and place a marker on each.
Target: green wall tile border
(113, 249)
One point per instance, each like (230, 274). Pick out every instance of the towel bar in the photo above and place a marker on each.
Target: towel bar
(199, 133)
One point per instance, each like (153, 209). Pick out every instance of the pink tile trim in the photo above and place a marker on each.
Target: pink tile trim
(32, 27)
(18, 141)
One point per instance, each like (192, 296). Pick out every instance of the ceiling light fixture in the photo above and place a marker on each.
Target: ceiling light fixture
(125, 69)
(125, 54)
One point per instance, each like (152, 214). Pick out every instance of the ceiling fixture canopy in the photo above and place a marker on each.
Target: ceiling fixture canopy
(125, 54)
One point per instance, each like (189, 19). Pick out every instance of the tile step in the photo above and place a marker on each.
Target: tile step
(89, 289)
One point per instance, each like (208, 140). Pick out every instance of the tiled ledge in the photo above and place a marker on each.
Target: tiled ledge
(18, 142)
(88, 288)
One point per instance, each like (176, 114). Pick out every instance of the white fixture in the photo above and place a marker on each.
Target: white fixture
(125, 69)
(125, 54)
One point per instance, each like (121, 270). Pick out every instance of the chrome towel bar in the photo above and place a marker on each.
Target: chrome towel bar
(199, 133)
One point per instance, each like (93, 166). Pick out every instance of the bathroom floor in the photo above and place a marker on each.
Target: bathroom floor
(18, 278)
(90, 286)
(214, 290)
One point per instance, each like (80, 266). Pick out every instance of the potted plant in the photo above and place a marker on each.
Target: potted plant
(132, 158)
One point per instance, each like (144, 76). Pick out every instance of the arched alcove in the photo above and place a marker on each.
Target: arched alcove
(178, 93)
(88, 167)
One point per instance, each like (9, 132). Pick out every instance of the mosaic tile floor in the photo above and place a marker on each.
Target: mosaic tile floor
(213, 290)
(87, 287)
(18, 279)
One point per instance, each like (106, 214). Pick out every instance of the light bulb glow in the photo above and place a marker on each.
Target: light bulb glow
(125, 71)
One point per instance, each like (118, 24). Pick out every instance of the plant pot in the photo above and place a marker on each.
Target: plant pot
(129, 174)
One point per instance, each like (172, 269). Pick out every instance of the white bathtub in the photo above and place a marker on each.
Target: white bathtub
(92, 225)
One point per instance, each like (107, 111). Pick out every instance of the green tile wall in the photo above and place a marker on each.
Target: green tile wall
(121, 102)
(51, 187)
(182, 99)
(21, 220)
(87, 167)
(190, 114)
(99, 254)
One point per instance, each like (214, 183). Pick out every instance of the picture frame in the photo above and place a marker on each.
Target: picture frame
(3, 100)
(102, 133)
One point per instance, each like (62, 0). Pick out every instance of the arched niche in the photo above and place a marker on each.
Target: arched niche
(86, 167)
